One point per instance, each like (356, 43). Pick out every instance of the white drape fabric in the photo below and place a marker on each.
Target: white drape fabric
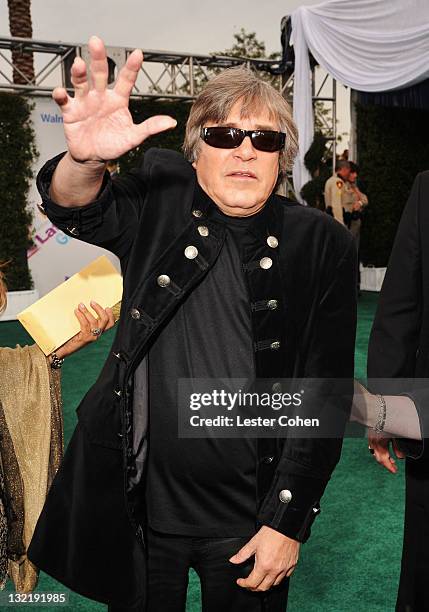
(369, 45)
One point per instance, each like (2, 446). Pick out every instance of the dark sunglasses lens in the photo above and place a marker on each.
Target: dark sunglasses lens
(230, 138)
(222, 137)
(268, 141)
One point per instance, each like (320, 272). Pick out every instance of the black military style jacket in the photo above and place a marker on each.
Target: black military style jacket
(300, 271)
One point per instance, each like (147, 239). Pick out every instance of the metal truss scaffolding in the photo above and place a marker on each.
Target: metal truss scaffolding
(164, 74)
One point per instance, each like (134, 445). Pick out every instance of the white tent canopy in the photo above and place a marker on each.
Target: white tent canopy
(369, 45)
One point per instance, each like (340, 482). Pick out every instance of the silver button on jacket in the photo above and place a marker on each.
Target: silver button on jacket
(203, 230)
(285, 496)
(135, 313)
(191, 252)
(266, 263)
(272, 242)
(163, 280)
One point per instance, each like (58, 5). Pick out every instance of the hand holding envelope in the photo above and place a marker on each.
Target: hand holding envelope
(91, 328)
(52, 320)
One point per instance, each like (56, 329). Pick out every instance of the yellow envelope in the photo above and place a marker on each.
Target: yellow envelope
(51, 320)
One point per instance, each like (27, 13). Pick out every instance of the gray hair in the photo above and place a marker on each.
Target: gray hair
(216, 100)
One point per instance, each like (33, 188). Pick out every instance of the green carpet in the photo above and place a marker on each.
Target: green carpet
(351, 562)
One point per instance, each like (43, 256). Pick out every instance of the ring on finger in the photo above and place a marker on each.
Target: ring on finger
(96, 332)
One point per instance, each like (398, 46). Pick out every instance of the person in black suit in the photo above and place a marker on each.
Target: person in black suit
(222, 278)
(399, 351)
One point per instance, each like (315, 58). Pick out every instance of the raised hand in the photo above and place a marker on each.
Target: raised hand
(97, 123)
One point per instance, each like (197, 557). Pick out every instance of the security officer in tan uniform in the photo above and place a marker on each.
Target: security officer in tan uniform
(338, 195)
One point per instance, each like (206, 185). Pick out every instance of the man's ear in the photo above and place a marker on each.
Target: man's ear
(194, 164)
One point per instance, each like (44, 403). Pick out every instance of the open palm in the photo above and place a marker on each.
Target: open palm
(97, 122)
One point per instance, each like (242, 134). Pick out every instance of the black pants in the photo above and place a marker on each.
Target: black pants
(413, 595)
(169, 560)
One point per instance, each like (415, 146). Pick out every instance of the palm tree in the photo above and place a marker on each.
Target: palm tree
(20, 26)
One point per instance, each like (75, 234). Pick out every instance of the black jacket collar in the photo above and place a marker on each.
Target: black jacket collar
(263, 224)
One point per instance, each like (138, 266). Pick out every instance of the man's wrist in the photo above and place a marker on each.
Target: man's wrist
(74, 183)
(283, 535)
(95, 164)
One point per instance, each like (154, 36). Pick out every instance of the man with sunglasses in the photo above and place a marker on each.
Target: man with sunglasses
(222, 279)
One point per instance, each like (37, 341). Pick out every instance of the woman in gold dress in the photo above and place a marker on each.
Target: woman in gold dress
(31, 437)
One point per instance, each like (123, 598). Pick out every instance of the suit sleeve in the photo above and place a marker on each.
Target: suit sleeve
(306, 464)
(110, 221)
(395, 333)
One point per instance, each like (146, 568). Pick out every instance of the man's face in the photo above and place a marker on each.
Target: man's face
(352, 177)
(238, 180)
(344, 173)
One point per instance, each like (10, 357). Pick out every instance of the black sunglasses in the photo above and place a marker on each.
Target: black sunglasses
(231, 138)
